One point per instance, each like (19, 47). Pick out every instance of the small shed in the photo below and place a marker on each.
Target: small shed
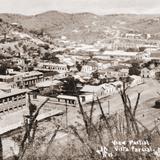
(67, 99)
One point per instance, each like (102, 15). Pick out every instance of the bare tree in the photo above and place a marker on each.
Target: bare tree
(1, 149)
(30, 128)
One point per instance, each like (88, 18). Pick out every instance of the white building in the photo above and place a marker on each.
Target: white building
(90, 92)
(12, 99)
(144, 56)
(117, 73)
(119, 54)
(145, 73)
(31, 78)
(148, 73)
(22, 79)
(88, 69)
(60, 68)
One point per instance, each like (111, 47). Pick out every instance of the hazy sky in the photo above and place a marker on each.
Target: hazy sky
(96, 6)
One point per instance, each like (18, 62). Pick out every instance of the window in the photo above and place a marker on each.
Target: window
(83, 98)
(15, 98)
(23, 96)
(73, 101)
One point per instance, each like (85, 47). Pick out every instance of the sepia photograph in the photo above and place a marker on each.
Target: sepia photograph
(79, 80)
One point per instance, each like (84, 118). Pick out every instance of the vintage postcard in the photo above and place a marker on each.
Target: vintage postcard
(79, 80)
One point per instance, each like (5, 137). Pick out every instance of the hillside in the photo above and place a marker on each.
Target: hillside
(82, 26)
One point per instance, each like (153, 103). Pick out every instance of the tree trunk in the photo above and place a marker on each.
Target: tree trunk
(1, 149)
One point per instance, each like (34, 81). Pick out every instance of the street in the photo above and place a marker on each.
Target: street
(145, 112)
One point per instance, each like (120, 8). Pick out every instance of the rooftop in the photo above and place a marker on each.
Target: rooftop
(119, 53)
(67, 97)
(48, 83)
(155, 55)
(52, 64)
(90, 88)
(5, 76)
(4, 85)
(26, 74)
(11, 92)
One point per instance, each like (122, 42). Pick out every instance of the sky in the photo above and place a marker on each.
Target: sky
(30, 7)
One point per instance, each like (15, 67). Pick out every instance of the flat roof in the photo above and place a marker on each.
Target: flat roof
(4, 85)
(90, 88)
(12, 92)
(67, 97)
(6, 76)
(48, 83)
(119, 53)
(25, 74)
(52, 64)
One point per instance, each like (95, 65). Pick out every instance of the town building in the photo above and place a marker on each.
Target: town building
(90, 92)
(49, 86)
(149, 73)
(11, 99)
(117, 72)
(14, 80)
(22, 79)
(18, 61)
(145, 73)
(67, 100)
(119, 55)
(60, 68)
(90, 67)
(143, 56)
(155, 56)
(31, 78)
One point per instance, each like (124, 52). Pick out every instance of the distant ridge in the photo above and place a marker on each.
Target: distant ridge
(84, 25)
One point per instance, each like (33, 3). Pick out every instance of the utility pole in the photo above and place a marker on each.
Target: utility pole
(66, 115)
(108, 107)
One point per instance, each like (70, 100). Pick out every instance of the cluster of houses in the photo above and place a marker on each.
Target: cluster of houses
(11, 98)
(99, 72)
(111, 71)
(22, 79)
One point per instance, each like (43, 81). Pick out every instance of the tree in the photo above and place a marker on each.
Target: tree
(1, 149)
(30, 128)
(95, 74)
(131, 50)
(30, 68)
(135, 69)
(135, 64)
(3, 69)
(16, 68)
(51, 57)
(2, 56)
(55, 59)
(78, 66)
(70, 85)
(4, 29)
(68, 67)
(24, 48)
(141, 49)
(91, 55)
